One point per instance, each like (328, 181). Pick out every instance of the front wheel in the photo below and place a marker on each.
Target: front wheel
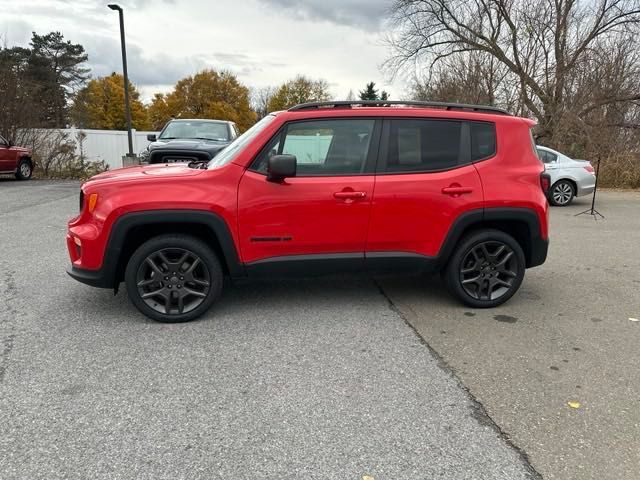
(173, 278)
(24, 171)
(486, 269)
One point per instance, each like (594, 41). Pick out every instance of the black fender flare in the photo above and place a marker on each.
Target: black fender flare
(535, 251)
(107, 275)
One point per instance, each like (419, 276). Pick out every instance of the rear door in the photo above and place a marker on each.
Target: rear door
(425, 181)
(320, 214)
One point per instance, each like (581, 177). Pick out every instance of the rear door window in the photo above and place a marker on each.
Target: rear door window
(546, 156)
(423, 145)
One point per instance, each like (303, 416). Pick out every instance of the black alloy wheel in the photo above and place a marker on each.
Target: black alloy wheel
(173, 278)
(486, 269)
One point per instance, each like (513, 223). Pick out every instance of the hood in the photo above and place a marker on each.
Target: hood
(20, 149)
(188, 144)
(145, 173)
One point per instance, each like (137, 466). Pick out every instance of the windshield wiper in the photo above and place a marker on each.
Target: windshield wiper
(207, 138)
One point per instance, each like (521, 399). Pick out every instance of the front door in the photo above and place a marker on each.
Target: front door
(322, 213)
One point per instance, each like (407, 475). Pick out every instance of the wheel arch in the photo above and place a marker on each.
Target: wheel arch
(521, 223)
(571, 180)
(133, 229)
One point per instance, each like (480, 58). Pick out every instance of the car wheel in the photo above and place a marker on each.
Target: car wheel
(486, 269)
(561, 193)
(25, 170)
(173, 278)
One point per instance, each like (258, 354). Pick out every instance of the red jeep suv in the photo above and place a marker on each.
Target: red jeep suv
(323, 188)
(15, 160)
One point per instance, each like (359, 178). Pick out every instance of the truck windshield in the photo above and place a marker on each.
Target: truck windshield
(230, 152)
(193, 129)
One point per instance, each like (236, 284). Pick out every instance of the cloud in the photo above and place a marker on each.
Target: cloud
(263, 42)
(162, 69)
(363, 14)
(15, 32)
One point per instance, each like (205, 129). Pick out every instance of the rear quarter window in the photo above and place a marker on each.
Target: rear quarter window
(483, 140)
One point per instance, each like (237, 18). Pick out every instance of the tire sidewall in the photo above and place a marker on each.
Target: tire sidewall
(553, 187)
(172, 241)
(452, 270)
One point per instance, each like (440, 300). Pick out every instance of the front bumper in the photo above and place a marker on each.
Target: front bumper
(102, 277)
(94, 278)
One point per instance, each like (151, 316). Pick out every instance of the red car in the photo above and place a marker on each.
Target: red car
(15, 160)
(324, 188)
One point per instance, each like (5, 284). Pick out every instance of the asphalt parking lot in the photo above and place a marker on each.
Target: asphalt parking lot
(322, 378)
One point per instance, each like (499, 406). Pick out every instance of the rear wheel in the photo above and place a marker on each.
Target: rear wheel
(25, 170)
(486, 269)
(173, 278)
(561, 193)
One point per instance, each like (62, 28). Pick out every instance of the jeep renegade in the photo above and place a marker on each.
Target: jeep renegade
(324, 188)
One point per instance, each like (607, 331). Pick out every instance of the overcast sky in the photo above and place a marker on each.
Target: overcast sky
(264, 42)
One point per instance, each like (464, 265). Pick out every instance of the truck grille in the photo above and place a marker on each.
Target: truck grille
(173, 157)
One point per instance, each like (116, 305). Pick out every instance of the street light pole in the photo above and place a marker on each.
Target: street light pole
(127, 108)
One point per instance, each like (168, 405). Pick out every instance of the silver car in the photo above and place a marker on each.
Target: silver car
(569, 178)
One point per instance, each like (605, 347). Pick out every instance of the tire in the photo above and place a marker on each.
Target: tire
(561, 193)
(173, 278)
(485, 277)
(25, 170)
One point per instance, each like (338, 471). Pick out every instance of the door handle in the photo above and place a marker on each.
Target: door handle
(349, 195)
(456, 190)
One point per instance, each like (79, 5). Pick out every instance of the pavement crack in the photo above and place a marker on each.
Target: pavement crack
(478, 412)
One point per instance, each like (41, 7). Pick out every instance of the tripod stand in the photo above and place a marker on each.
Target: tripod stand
(592, 211)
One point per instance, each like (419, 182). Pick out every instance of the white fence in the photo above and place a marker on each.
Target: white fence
(107, 145)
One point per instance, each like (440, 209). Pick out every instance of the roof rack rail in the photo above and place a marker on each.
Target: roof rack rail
(408, 103)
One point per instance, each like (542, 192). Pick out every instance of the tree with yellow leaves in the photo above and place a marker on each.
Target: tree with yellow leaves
(101, 105)
(207, 94)
(299, 90)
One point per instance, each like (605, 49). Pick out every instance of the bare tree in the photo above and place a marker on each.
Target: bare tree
(260, 98)
(544, 46)
(469, 77)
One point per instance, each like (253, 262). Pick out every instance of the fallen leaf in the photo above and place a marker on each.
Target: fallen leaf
(574, 404)
(367, 477)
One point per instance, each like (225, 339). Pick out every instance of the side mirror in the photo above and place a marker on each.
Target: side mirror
(151, 137)
(281, 167)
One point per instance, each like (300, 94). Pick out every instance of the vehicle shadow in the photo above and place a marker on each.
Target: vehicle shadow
(280, 298)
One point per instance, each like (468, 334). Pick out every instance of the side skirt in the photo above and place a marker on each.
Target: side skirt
(327, 264)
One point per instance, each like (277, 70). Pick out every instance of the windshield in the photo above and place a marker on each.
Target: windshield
(194, 129)
(229, 153)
